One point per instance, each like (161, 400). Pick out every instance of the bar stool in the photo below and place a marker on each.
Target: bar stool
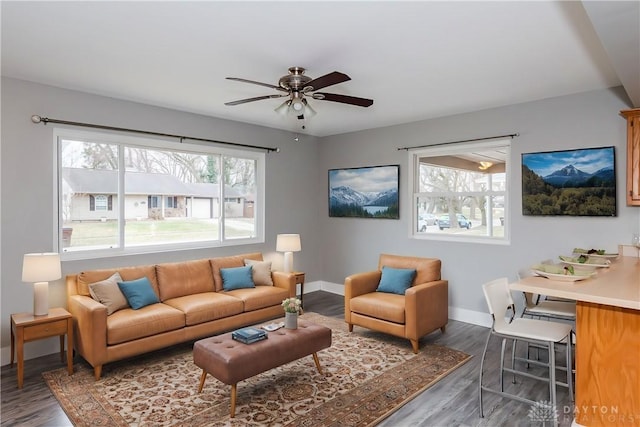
(561, 309)
(538, 332)
(547, 309)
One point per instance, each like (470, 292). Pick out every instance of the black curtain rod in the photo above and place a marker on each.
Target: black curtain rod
(511, 135)
(45, 120)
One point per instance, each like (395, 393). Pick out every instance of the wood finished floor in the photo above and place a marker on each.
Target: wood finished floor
(453, 401)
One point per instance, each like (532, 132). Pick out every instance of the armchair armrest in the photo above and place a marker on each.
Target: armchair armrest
(359, 284)
(90, 328)
(285, 281)
(426, 308)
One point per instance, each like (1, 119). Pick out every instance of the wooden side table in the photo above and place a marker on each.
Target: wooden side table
(300, 280)
(26, 327)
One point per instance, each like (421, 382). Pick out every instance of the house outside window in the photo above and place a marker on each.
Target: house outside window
(100, 202)
(172, 202)
(119, 195)
(154, 201)
(460, 192)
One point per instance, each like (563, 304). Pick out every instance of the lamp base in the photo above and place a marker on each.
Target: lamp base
(288, 262)
(41, 298)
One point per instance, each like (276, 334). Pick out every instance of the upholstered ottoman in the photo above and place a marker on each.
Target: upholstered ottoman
(231, 361)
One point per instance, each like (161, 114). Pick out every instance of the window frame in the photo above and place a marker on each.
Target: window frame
(60, 134)
(413, 181)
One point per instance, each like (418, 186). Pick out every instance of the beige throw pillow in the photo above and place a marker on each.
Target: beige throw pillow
(108, 293)
(261, 272)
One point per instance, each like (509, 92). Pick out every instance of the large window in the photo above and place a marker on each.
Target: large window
(119, 195)
(460, 192)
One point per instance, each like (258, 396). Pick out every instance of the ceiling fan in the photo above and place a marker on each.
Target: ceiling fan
(297, 88)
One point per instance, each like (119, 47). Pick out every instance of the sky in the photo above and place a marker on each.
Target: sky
(586, 160)
(364, 180)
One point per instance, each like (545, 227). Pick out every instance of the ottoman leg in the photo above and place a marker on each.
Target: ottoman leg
(234, 389)
(202, 378)
(315, 359)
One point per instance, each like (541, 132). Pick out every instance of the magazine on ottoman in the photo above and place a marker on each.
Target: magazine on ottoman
(249, 335)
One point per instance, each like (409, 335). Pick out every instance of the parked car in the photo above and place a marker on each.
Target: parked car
(425, 220)
(463, 222)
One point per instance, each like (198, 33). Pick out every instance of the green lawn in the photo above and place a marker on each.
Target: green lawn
(157, 231)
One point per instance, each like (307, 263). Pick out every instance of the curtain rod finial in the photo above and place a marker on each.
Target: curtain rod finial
(36, 119)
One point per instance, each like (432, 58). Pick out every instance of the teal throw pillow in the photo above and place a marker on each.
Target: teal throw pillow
(396, 280)
(237, 278)
(139, 293)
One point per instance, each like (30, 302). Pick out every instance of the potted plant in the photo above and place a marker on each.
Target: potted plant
(292, 308)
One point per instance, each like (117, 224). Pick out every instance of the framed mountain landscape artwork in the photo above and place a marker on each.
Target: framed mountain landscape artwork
(573, 182)
(365, 192)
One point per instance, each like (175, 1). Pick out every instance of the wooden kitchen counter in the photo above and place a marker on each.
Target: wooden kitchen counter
(607, 341)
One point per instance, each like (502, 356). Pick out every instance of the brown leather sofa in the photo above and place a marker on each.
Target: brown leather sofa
(192, 305)
(421, 310)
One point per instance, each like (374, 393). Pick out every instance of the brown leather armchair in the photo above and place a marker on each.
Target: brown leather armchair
(422, 309)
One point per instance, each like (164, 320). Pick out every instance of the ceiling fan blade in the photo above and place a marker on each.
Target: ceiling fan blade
(257, 98)
(326, 80)
(345, 99)
(237, 79)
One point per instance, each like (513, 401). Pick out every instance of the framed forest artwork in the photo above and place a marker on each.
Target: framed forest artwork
(365, 192)
(579, 182)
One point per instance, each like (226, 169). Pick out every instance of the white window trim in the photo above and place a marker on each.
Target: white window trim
(413, 181)
(134, 141)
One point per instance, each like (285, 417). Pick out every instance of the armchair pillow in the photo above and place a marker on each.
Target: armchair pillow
(237, 278)
(107, 293)
(139, 293)
(396, 280)
(261, 271)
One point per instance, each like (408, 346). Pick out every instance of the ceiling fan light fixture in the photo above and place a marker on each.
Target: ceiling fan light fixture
(297, 87)
(485, 165)
(283, 108)
(297, 106)
(308, 111)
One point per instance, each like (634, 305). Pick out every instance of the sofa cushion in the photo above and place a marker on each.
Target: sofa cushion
(229, 262)
(260, 297)
(138, 293)
(380, 305)
(178, 279)
(396, 280)
(108, 293)
(200, 308)
(237, 278)
(128, 325)
(261, 272)
(127, 273)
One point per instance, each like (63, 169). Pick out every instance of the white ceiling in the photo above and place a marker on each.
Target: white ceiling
(417, 60)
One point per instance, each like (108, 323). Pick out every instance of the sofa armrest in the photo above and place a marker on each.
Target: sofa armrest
(285, 281)
(426, 308)
(359, 284)
(90, 328)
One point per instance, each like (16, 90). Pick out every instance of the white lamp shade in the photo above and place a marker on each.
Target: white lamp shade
(41, 267)
(288, 243)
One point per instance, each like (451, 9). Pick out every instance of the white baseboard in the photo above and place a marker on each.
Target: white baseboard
(460, 314)
(32, 350)
(50, 346)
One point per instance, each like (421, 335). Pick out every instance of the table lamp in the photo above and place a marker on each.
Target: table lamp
(288, 243)
(39, 269)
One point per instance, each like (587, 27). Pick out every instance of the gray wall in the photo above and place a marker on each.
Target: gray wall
(296, 191)
(578, 121)
(27, 168)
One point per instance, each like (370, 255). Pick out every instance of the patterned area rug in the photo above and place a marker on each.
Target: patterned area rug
(366, 377)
